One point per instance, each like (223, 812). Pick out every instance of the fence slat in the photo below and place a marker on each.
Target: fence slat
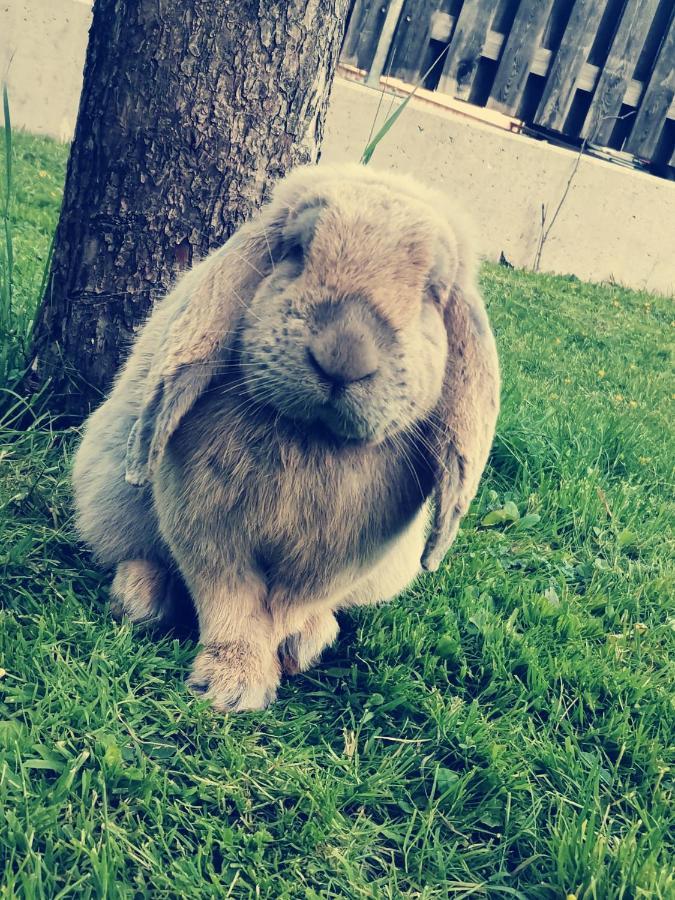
(519, 52)
(617, 72)
(353, 34)
(466, 47)
(656, 101)
(411, 39)
(384, 42)
(363, 34)
(573, 52)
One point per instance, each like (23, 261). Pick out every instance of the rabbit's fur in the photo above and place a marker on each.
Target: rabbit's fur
(299, 428)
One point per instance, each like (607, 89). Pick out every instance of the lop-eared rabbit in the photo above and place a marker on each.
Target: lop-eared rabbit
(299, 428)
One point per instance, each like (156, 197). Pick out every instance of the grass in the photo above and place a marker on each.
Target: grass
(32, 181)
(503, 730)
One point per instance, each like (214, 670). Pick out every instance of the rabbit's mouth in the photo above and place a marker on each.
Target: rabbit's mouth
(334, 415)
(343, 422)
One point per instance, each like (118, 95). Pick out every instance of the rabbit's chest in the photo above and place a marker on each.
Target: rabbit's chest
(309, 520)
(302, 512)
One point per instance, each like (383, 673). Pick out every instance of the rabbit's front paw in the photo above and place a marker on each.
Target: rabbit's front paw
(235, 676)
(299, 651)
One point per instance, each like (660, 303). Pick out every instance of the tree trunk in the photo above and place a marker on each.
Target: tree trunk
(190, 110)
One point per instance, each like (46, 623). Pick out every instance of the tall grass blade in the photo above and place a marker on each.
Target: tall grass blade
(390, 121)
(8, 185)
(8, 144)
(388, 124)
(43, 286)
(7, 339)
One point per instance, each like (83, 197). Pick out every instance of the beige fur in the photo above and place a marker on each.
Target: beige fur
(300, 427)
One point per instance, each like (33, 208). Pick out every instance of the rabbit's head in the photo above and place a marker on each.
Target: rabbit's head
(335, 306)
(346, 332)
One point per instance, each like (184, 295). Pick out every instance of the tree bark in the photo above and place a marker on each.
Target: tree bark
(190, 110)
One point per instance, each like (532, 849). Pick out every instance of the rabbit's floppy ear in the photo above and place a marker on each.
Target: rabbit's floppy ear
(461, 427)
(212, 298)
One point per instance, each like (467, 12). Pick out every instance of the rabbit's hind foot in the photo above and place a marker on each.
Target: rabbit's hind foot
(300, 650)
(142, 593)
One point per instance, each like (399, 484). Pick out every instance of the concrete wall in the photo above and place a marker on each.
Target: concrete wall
(42, 49)
(614, 224)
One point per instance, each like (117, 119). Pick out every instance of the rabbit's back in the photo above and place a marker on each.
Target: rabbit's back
(115, 518)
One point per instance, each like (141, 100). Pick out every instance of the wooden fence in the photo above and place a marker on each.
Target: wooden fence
(599, 70)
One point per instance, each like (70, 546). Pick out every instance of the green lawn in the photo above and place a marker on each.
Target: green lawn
(502, 730)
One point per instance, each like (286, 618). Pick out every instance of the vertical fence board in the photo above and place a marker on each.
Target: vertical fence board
(384, 42)
(618, 70)
(466, 47)
(656, 100)
(411, 40)
(573, 52)
(365, 25)
(519, 51)
(353, 34)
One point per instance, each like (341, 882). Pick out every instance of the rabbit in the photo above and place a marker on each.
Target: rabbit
(299, 428)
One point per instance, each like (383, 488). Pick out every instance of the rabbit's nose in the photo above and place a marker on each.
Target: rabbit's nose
(342, 355)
